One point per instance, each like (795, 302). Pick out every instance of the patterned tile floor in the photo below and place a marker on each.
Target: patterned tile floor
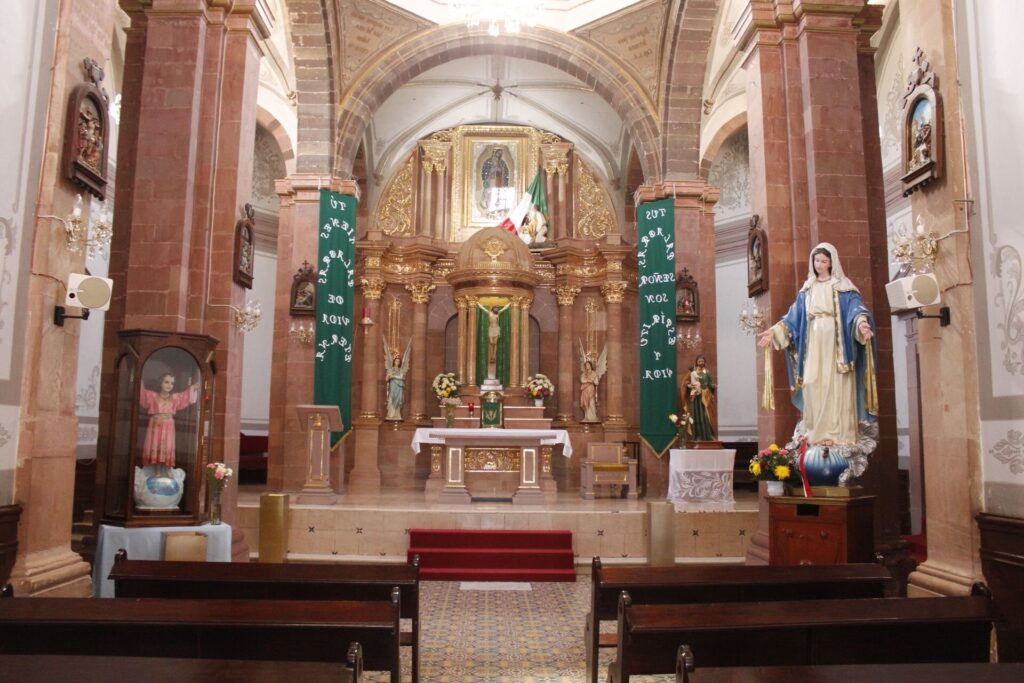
(505, 636)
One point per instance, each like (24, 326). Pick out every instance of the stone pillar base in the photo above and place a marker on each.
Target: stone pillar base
(54, 573)
(365, 474)
(929, 581)
(317, 495)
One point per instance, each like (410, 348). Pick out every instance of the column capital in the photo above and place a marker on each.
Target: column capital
(566, 294)
(373, 287)
(435, 155)
(614, 292)
(420, 291)
(556, 157)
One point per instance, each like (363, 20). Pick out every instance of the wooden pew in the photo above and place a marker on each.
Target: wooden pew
(808, 632)
(89, 669)
(273, 581)
(890, 673)
(262, 630)
(720, 583)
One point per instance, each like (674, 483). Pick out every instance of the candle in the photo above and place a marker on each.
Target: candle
(366, 313)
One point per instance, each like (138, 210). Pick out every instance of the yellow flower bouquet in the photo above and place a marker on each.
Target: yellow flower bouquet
(774, 464)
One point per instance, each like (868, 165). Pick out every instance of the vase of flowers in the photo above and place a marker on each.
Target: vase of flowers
(684, 425)
(445, 387)
(775, 466)
(217, 476)
(540, 388)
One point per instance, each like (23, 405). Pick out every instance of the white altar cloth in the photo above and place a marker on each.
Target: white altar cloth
(701, 476)
(548, 437)
(146, 543)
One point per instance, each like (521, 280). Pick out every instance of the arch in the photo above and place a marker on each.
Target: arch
(313, 30)
(439, 45)
(277, 131)
(723, 133)
(689, 32)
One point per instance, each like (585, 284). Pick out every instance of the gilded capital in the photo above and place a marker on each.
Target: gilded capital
(556, 157)
(435, 156)
(566, 294)
(613, 292)
(420, 291)
(373, 287)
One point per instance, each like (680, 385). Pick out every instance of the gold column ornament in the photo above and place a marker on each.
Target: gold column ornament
(394, 324)
(614, 293)
(394, 215)
(373, 287)
(592, 309)
(460, 304)
(593, 205)
(565, 294)
(471, 302)
(420, 291)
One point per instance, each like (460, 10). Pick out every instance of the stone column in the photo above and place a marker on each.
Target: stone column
(365, 474)
(524, 331)
(291, 374)
(435, 167)
(566, 295)
(556, 161)
(515, 348)
(471, 311)
(460, 304)
(420, 291)
(614, 292)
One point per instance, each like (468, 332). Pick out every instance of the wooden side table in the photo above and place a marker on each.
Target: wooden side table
(821, 530)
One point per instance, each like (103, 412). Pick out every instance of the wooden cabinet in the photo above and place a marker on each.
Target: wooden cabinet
(821, 530)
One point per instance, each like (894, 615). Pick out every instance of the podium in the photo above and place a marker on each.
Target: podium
(319, 422)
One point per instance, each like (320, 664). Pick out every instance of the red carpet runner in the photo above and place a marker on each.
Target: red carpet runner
(485, 555)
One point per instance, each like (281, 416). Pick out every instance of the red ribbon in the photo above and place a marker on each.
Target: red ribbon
(803, 469)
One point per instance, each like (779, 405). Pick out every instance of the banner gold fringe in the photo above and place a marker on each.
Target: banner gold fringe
(768, 394)
(870, 383)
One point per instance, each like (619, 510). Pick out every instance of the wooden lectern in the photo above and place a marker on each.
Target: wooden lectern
(319, 422)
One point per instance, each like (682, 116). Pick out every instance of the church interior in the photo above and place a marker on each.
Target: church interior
(327, 282)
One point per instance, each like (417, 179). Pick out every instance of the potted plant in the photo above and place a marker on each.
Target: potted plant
(775, 466)
(540, 388)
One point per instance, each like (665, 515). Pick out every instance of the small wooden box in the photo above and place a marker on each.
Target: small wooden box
(821, 530)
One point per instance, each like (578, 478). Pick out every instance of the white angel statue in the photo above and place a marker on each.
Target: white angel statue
(395, 368)
(590, 377)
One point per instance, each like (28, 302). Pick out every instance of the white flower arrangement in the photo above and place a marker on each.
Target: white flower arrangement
(540, 386)
(445, 385)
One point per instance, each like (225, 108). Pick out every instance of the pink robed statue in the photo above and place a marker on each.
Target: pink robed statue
(162, 405)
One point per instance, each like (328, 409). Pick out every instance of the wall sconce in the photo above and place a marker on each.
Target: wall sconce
(93, 238)
(751, 318)
(302, 334)
(246, 318)
(691, 339)
(916, 253)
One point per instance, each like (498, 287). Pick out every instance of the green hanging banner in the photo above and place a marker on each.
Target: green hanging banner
(656, 258)
(335, 290)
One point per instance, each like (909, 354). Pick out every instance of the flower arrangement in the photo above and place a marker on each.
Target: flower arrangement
(445, 385)
(217, 475)
(540, 386)
(774, 464)
(684, 425)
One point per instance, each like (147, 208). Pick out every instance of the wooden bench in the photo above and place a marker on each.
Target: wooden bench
(721, 583)
(280, 630)
(88, 669)
(273, 581)
(890, 673)
(807, 632)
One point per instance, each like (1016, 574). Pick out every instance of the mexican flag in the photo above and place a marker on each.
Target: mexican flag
(533, 198)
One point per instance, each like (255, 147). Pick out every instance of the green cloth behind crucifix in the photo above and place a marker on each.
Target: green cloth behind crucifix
(503, 350)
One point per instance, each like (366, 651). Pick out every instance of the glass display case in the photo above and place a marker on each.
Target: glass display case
(161, 425)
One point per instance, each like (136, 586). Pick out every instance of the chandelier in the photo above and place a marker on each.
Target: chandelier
(85, 235)
(508, 15)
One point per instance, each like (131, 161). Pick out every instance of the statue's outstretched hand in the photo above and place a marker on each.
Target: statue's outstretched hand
(764, 339)
(865, 331)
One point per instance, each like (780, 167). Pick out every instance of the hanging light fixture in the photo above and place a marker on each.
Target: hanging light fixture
(507, 16)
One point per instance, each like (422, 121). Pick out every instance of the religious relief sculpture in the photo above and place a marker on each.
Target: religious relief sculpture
(395, 368)
(245, 248)
(87, 132)
(702, 389)
(922, 127)
(827, 334)
(591, 373)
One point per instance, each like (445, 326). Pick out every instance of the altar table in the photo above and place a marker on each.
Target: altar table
(468, 464)
(701, 476)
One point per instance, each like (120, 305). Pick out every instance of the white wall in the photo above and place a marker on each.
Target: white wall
(26, 50)
(257, 360)
(737, 360)
(988, 49)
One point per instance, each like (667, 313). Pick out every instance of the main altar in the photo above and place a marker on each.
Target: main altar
(492, 464)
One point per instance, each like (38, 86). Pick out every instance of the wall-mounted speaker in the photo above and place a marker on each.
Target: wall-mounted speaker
(913, 291)
(89, 291)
